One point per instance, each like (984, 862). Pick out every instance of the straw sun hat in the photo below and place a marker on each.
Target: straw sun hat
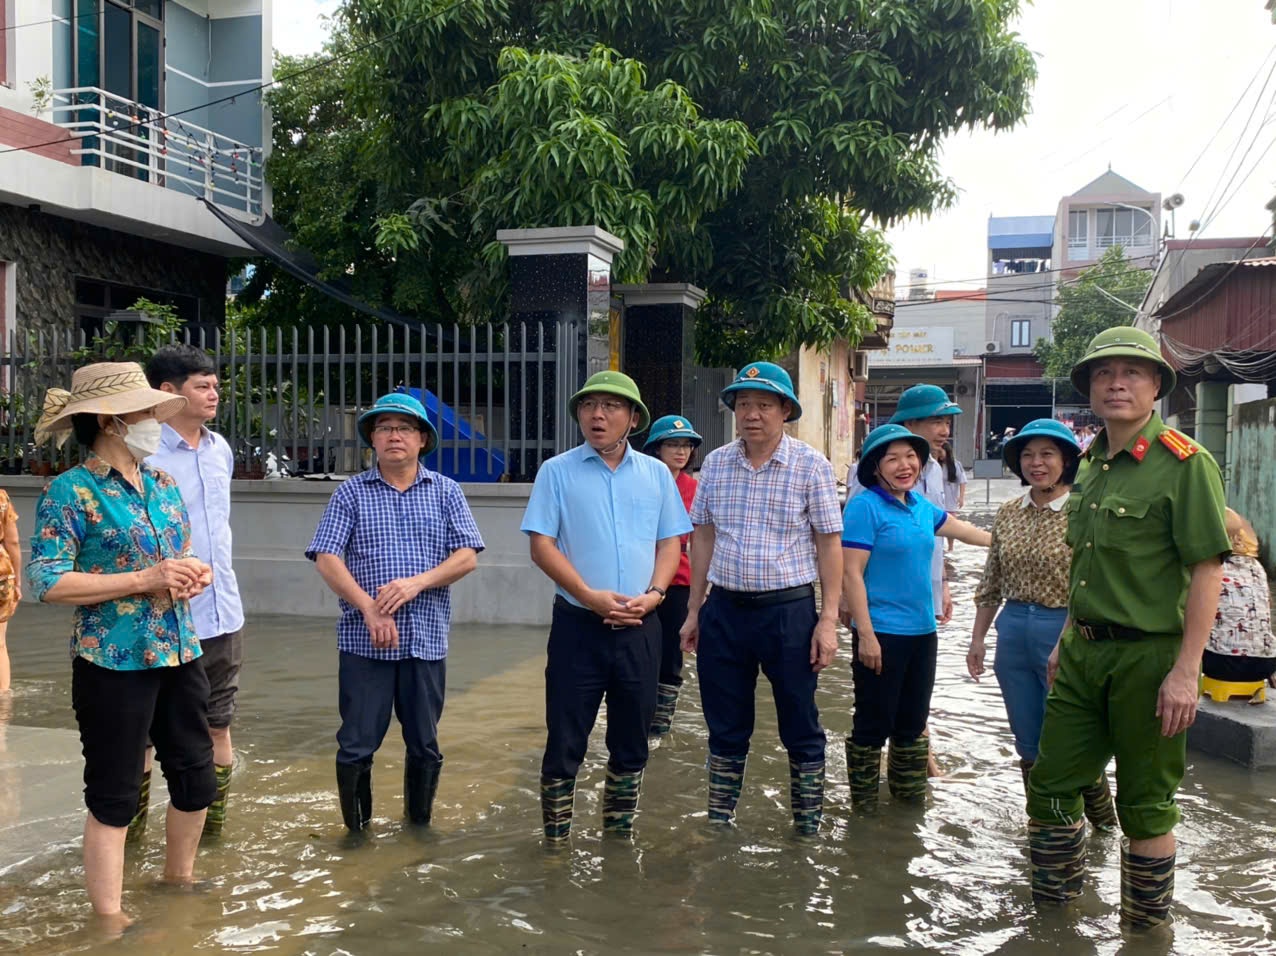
(104, 388)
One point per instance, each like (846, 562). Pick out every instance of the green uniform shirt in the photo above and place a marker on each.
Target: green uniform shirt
(1136, 523)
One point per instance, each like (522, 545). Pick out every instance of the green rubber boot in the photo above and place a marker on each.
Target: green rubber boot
(216, 817)
(1099, 808)
(726, 780)
(864, 770)
(557, 797)
(906, 768)
(666, 703)
(1147, 889)
(137, 826)
(620, 801)
(1058, 862)
(806, 795)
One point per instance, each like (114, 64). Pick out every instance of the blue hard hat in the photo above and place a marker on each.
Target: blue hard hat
(671, 426)
(763, 377)
(923, 401)
(875, 446)
(398, 403)
(1060, 433)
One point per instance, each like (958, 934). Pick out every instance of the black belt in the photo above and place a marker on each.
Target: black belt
(1108, 632)
(566, 605)
(766, 598)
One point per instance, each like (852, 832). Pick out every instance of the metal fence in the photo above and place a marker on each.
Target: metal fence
(290, 399)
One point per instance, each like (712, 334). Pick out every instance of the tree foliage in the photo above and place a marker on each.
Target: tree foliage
(754, 147)
(1106, 294)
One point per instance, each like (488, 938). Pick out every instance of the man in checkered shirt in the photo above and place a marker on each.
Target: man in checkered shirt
(767, 524)
(389, 544)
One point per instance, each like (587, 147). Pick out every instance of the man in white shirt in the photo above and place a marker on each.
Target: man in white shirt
(201, 463)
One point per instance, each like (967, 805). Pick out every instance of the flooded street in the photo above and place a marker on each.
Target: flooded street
(949, 877)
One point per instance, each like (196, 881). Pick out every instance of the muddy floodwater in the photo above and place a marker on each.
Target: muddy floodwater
(949, 877)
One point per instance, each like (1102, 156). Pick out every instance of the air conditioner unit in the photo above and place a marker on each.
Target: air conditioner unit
(859, 367)
(991, 347)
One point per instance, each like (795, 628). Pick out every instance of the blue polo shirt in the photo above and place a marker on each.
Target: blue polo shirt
(606, 522)
(900, 536)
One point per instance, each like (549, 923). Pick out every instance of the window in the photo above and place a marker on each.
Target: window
(1123, 227)
(1078, 228)
(1020, 333)
(6, 21)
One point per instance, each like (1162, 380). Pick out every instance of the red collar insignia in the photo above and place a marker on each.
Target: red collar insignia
(1140, 448)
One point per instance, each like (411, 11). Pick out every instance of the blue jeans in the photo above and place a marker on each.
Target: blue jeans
(1026, 634)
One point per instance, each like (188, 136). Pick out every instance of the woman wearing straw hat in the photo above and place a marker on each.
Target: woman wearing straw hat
(889, 534)
(112, 539)
(1027, 567)
(673, 440)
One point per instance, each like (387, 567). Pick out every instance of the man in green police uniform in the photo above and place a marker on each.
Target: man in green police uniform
(1145, 524)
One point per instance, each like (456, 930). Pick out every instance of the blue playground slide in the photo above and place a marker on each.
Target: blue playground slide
(489, 464)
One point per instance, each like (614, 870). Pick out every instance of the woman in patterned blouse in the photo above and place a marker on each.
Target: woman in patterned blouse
(112, 539)
(1027, 568)
(1242, 646)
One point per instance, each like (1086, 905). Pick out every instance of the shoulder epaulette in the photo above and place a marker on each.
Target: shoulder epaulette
(1178, 443)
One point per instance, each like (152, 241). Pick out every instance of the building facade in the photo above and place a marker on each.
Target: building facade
(119, 119)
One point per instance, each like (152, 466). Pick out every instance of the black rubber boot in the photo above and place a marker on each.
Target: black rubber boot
(354, 790)
(420, 783)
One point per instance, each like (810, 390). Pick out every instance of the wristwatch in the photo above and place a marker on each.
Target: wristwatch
(660, 591)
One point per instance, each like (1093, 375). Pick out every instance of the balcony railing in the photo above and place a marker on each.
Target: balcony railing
(134, 140)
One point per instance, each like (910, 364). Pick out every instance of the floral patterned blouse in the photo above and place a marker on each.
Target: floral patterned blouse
(1028, 559)
(92, 519)
(1243, 625)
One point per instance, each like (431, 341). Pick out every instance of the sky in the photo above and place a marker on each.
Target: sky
(1145, 86)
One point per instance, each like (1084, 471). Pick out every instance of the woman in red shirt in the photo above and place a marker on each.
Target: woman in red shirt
(673, 441)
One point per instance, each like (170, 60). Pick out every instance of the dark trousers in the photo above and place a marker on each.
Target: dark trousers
(116, 710)
(673, 614)
(588, 662)
(894, 704)
(738, 640)
(368, 688)
(1226, 667)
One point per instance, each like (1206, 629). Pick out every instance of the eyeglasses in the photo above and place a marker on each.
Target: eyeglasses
(676, 444)
(394, 429)
(609, 405)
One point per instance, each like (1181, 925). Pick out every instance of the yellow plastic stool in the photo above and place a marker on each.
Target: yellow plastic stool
(1221, 690)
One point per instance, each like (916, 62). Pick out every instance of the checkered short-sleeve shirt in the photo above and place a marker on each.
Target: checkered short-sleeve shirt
(383, 534)
(765, 519)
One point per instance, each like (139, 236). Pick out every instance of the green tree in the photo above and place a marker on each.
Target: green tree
(754, 147)
(1106, 294)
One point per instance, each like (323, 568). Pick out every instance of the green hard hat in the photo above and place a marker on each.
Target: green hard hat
(613, 383)
(1122, 341)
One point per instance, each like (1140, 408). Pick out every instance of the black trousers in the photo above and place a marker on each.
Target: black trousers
(367, 689)
(735, 642)
(116, 710)
(1226, 667)
(673, 614)
(895, 703)
(588, 662)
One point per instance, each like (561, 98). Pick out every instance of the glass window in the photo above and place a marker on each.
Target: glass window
(86, 37)
(1020, 333)
(1078, 228)
(149, 68)
(117, 77)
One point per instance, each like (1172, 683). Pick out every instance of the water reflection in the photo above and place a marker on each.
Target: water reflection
(948, 877)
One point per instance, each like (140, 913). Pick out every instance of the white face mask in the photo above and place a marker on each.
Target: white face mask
(142, 439)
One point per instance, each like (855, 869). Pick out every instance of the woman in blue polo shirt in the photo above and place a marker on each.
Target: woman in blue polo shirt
(888, 537)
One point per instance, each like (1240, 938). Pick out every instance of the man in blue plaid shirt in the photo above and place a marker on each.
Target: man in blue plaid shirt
(767, 525)
(389, 544)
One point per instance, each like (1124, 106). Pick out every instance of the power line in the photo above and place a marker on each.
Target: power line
(229, 98)
(1000, 295)
(1240, 99)
(985, 278)
(40, 23)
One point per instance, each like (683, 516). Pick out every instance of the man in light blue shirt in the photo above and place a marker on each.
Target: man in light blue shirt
(201, 463)
(604, 522)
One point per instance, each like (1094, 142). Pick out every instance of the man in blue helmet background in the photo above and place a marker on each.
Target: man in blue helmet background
(766, 526)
